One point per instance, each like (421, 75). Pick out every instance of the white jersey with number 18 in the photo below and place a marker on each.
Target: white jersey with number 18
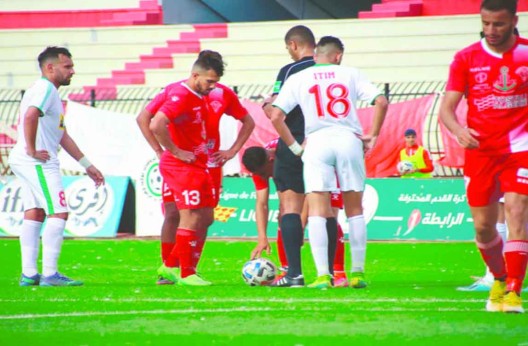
(327, 95)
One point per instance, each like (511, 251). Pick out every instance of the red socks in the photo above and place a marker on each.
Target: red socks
(492, 254)
(516, 254)
(198, 249)
(166, 249)
(187, 252)
(339, 260)
(280, 249)
(186, 242)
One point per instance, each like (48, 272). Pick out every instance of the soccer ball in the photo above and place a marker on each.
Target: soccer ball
(404, 167)
(259, 272)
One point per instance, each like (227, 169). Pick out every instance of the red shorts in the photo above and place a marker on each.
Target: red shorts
(336, 200)
(489, 177)
(216, 175)
(191, 187)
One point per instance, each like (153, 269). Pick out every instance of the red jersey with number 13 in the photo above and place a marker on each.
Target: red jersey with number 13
(496, 86)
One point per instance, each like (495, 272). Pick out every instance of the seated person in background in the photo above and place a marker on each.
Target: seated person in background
(415, 161)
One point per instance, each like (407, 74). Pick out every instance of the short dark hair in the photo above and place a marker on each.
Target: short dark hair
(410, 132)
(254, 158)
(302, 34)
(211, 60)
(52, 52)
(331, 40)
(498, 5)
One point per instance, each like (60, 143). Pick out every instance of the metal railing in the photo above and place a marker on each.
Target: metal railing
(131, 100)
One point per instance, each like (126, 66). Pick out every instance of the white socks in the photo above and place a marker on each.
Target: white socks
(29, 246)
(319, 243)
(357, 234)
(502, 229)
(52, 238)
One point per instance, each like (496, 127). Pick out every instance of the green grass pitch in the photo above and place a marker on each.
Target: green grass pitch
(411, 300)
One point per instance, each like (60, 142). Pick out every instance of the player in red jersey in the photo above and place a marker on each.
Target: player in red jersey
(179, 125)
(493, 75)
(259, 161)
(220, 100)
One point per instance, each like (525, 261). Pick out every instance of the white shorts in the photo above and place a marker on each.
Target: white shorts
(332, 152)
(41, 187)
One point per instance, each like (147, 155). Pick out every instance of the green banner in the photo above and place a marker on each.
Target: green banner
(418, 209)
(406, 209)
(240, 195)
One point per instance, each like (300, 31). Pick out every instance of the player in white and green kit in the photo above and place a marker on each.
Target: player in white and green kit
(327, 94)
(34, 161)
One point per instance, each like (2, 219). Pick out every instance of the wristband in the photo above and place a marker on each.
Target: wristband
(84, 162)
(296, 148)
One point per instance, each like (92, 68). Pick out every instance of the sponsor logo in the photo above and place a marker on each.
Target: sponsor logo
(11, 208)
(414, 220)
(151, 180)
(61, 122)
(89, 207)
(277, 86)
(501, 102)
(522, 172)
(522, 175)
(370, 204)
(480, 69)
(481, 77)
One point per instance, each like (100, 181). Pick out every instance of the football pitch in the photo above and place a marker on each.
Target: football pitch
(411, 299)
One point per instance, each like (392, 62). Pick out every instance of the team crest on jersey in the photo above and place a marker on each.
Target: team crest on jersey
(522, 72)
(504, 82)
(215, 105)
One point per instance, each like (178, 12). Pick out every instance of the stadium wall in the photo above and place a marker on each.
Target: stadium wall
(453, 7)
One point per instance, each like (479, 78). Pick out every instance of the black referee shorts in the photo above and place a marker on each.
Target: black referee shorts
(287, 170)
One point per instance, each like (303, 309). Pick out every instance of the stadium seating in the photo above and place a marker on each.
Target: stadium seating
(72, 13)
(453, 7)
(388, 50)
(394, 8)
(408, 8)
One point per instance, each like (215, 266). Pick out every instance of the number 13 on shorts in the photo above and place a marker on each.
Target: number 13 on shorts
(191, 197)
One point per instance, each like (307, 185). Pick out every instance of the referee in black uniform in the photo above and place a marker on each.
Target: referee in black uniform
(288, 168)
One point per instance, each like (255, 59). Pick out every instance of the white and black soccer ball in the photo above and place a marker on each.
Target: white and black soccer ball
(404, 167)
(259, 272)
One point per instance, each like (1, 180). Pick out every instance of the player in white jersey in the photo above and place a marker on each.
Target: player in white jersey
(34, 161)
(335, 144)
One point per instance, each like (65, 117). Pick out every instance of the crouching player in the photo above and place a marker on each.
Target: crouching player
(259, 161)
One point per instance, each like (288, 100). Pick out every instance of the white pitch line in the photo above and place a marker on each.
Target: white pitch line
(252, 300)
(388, 218)
(215, 311)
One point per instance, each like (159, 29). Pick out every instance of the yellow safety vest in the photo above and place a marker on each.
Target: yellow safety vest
(417, 160)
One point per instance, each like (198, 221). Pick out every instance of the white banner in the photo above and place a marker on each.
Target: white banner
(149, 216)
(111, 141)
(114, 143)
